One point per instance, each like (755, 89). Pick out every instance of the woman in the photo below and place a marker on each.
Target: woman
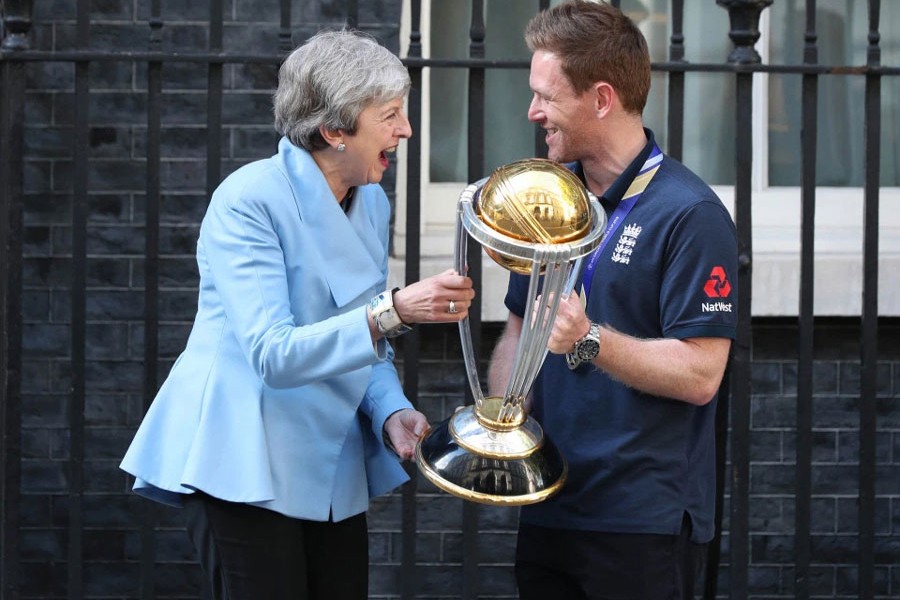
(277, 424)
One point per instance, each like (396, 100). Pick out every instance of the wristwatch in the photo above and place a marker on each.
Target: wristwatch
(586, 349)
(385, 315)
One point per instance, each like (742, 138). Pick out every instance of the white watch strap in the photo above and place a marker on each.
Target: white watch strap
(385, 315)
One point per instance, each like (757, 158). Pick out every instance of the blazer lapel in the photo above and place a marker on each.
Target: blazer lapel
(350, 248)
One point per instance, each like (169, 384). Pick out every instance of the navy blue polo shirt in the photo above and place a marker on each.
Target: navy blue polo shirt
(637, 462)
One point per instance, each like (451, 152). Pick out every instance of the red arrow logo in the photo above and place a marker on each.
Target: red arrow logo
(717, 286)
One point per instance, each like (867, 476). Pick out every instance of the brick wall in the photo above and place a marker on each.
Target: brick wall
(773, 422)
(117, 150)
(112, 514)
(835, 455)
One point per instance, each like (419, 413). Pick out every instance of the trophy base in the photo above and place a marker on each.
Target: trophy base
(467, 457)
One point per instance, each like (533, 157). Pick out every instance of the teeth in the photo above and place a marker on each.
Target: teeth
(394, 149)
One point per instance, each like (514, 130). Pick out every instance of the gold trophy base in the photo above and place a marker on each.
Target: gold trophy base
(474, 456)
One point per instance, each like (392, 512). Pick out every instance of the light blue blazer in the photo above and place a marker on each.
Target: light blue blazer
(279, 397)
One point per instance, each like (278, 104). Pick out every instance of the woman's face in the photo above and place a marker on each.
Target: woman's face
(379, 130)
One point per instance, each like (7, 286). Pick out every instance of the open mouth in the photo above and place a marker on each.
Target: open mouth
(383, 156)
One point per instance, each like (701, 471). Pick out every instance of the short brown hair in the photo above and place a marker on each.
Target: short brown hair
(595, 42)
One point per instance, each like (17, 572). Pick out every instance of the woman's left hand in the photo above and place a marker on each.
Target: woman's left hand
(404, 428)
(442, 298)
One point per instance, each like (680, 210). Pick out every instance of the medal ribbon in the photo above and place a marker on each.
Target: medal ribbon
(634, 191)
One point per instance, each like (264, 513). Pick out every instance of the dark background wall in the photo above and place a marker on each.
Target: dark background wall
(114, 337)
(773, 420)
(112, 514)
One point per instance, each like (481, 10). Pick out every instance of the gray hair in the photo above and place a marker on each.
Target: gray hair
(330, 80)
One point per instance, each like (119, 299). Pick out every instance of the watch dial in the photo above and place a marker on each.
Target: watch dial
(588, 349)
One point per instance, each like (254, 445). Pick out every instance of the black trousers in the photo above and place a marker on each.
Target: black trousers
(250, 553)
(564, 564)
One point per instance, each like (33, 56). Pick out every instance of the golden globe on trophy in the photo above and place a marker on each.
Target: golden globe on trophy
(532, 217)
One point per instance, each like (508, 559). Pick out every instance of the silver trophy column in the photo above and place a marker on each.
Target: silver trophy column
(493, 452)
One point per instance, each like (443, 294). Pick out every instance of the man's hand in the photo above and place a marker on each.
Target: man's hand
(571, 324)
(404, 428)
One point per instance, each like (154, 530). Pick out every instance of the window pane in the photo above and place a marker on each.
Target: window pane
(449, 87)
(842, 29)
(708, 97)
(508, 135)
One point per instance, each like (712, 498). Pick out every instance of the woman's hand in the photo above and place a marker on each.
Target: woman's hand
(431, 300)
(404, 428)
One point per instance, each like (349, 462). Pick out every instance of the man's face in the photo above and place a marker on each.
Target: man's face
(566, 115)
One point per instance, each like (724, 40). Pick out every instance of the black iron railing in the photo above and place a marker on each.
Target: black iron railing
(735, 399)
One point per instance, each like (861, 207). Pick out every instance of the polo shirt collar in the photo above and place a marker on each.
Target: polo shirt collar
(611, 197)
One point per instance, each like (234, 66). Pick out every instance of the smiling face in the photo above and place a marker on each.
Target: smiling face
(565, 114)
(379, 129)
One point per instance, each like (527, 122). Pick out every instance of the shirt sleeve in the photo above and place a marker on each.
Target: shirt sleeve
(516, 294)
(698, 296)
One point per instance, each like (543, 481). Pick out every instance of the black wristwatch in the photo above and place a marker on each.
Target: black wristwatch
(586, 349)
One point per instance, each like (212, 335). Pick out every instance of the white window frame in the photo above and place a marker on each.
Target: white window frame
(775, 213)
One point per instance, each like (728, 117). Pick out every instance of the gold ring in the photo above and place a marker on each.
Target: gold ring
(452, 310)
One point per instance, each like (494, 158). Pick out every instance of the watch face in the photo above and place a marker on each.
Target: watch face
(377, 303)
(588, 349)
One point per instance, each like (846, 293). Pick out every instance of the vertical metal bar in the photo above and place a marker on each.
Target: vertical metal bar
(80, 151)
(868, 426)
(675, 144)
(16, 26)
(675, 148)
(12, 103)
(475, 170)
(214, 111)
(540, 141)
(285, 42)
(714, 555)
(214, 101)
(411, 341)
(151, 281)
(743, 16)
(741, 382)
(806, 330)
(352, 14)
(675, 125)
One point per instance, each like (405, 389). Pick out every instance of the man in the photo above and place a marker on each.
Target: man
(628, 389)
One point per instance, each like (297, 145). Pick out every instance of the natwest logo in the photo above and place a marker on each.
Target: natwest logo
(717, 286)
(716, 306)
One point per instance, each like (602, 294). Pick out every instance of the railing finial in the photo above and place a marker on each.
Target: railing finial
(744, 17)
(17, 24)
